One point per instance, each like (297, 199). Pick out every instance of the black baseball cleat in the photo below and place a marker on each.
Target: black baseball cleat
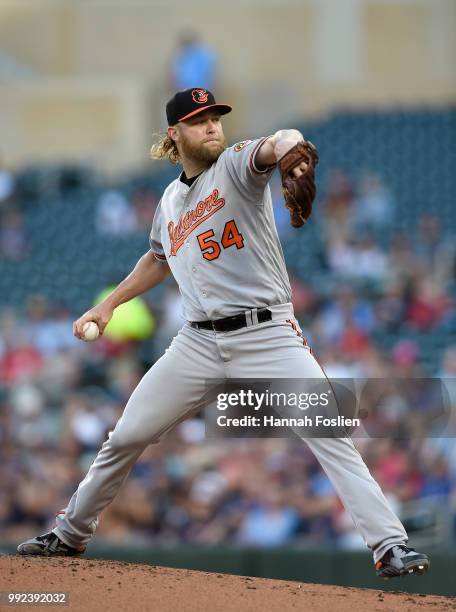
(48, 545)
(401, 561)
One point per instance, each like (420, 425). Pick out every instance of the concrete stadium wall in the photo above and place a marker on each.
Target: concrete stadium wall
(279, 59)
(104, 122)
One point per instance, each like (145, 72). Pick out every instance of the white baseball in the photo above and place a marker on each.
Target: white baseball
(91, 331)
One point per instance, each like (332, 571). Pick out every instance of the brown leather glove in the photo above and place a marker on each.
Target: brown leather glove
(299, 192)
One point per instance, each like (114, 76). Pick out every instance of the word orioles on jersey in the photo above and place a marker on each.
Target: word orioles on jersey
(191, 219)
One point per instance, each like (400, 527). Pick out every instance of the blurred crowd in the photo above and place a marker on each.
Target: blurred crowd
(382, 306)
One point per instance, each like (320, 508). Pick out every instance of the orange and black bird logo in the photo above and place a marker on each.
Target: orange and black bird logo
(200, 95)
(240, 145)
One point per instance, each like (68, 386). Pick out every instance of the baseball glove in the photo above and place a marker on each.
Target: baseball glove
(299, 192)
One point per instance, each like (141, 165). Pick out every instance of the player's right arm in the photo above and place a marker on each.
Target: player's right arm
(148, 273)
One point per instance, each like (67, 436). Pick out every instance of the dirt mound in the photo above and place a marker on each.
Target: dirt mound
(113, 585)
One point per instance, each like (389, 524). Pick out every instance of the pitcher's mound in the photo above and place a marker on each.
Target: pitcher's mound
(112, 585)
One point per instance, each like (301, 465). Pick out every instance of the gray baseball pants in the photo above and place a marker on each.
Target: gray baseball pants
(174, 388)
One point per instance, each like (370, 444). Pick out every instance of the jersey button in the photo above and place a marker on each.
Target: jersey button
(204, 293)
(193, 268)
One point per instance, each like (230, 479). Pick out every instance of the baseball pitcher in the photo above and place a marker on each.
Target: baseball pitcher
(214, 231)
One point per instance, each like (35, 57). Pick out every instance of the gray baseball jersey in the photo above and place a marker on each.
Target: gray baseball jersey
(220, 240)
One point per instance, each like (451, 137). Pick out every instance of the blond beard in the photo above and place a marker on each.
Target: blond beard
(202, 153)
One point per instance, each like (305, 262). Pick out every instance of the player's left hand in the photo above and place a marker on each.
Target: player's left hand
(297, 169)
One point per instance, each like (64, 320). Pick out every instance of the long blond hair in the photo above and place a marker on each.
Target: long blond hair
(164, 148)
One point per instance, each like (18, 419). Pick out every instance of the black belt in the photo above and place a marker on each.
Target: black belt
(227, 324)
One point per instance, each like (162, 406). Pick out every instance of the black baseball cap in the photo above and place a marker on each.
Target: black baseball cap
(189, 102)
